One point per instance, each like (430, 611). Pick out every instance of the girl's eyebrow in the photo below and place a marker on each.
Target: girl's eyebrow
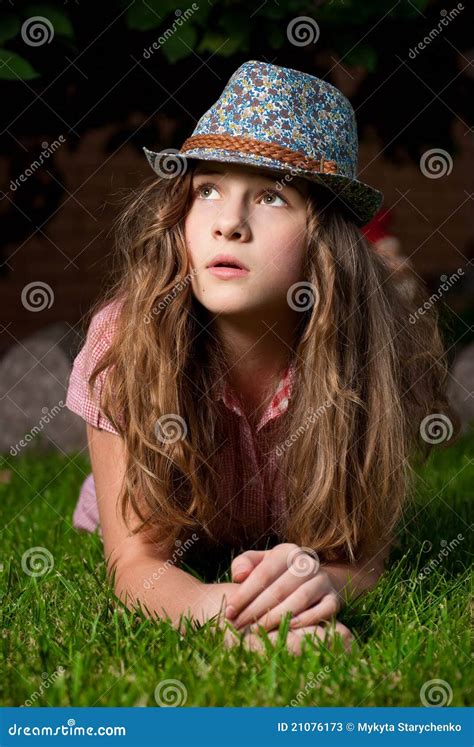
(212, 172)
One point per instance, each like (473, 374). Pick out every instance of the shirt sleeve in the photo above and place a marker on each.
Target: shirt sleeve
(98, 338)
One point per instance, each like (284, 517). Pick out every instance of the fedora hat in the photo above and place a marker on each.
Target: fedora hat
(282, 119)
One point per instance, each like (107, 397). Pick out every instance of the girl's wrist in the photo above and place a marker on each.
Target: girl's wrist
(211, 600)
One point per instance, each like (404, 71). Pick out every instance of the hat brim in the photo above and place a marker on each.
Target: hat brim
(360, 199)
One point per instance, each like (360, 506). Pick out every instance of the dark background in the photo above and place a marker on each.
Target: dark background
(91, 87)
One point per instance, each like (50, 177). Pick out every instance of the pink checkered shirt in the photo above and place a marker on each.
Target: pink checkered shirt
(251, 484)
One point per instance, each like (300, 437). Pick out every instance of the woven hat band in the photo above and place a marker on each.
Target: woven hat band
(261, 148)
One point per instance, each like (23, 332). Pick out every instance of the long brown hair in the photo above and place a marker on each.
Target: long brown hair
(367, 382)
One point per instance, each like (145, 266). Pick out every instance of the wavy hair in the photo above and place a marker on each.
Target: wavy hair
(368, 382)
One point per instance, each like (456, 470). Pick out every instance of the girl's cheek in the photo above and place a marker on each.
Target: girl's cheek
(287, 257)
(191, 234)
(196, 228)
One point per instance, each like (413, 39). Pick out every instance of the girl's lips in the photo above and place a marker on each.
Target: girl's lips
(228, 273)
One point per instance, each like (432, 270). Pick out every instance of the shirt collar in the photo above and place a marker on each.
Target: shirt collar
(279, 403)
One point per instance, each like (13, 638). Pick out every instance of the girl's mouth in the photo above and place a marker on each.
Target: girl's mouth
(227, 272)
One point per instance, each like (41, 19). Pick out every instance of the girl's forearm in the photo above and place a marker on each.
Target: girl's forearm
(166, 591)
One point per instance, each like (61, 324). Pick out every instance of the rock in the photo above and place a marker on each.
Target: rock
(461, 386)
(33, 381)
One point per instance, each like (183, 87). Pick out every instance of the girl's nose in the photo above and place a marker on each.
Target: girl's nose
(231, 226)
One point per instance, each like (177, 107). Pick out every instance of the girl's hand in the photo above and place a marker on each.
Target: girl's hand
(274, 582)
(294, 639)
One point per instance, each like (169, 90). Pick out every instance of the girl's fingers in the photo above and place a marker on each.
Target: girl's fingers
(244, 564)
(297, 602)
(293, 641)
(277, 596)
(327, 608)
(324, 633)
(251, 641)
(231, 638)
(267, 571)
(328, 631)
(254, 642)
(295, 638)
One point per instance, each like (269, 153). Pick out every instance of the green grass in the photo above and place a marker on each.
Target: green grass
(408, 630)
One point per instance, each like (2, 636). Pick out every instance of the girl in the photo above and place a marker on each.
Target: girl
(252, 383)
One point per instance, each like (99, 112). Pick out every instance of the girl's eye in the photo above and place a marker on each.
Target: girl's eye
(271, 195)
(204, 189)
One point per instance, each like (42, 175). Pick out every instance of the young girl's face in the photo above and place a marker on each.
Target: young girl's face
(241, 212)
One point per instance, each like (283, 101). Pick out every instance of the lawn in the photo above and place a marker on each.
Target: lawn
(66, 642)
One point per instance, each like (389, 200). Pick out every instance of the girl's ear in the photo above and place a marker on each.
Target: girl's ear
(243, 564)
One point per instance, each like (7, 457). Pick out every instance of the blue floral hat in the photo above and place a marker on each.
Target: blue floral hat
(286, 120)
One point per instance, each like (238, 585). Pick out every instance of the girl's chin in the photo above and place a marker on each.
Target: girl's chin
(224, 309)
(228, 306)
